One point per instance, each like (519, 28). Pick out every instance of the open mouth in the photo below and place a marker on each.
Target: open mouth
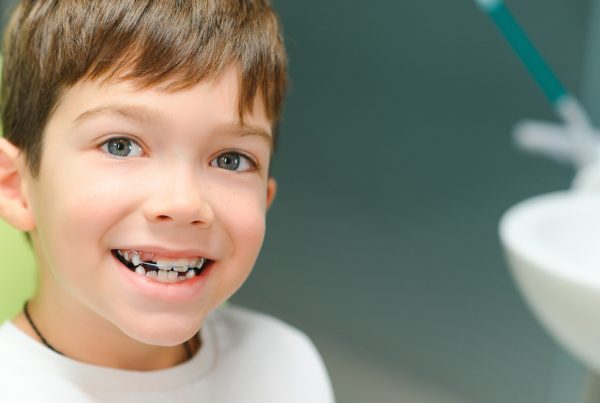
(160, 269)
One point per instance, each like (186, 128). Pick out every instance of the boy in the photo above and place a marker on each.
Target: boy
(138, 136)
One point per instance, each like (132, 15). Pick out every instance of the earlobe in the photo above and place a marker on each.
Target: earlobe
(14, 206)
(271, 191)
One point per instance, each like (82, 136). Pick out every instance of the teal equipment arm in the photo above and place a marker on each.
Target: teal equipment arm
(521, 44)
(575, 141)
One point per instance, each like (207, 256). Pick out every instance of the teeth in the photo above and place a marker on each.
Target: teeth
(184, 262)
(180, 265)
(164, 264)
(163, 276)
(172, 276)
(168, 269)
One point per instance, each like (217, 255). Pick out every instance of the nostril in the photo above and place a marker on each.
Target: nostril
(163, 218)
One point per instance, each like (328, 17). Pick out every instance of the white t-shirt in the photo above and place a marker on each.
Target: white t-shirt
(246, 357)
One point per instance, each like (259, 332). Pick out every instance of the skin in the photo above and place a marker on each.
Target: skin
(170, 193)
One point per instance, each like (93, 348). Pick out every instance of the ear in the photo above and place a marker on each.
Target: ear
(14, 207)
(271, 191)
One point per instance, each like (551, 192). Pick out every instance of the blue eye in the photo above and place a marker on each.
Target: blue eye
(122, 147)
(233, 161)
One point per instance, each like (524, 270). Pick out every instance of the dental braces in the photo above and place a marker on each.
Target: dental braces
(165, 267)
(144, 263)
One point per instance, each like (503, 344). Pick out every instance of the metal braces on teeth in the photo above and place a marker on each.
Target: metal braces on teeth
(163, 267)
(151, 266)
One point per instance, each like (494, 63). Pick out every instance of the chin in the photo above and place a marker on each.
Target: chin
(166, 333)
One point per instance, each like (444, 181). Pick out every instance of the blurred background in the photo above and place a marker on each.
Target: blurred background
(395, 165)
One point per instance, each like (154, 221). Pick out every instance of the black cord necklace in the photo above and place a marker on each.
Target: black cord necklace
(188, 350)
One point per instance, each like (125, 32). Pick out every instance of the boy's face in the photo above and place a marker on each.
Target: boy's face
(171, 174)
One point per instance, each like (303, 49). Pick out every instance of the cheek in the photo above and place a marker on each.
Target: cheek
(78, 205)
(243, 212)
(246, 230)
(252, 235)
(242, 215)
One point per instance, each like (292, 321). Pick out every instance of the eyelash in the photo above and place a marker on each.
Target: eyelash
(251, 164)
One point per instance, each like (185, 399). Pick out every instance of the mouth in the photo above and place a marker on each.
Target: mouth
(161, 269)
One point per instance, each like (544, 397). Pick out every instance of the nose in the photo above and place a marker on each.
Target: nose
(178, 197)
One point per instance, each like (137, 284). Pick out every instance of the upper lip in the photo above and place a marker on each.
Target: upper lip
(169, 253)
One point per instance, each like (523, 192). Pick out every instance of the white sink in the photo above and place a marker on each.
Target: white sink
(552, 243)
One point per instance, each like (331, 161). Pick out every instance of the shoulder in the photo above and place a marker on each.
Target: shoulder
(242, 328)
(247, 325)
(11, 345)
(255, 345)
(20, 368)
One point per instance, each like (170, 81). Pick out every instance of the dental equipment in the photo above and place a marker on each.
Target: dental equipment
(576, 140)
(551, 241)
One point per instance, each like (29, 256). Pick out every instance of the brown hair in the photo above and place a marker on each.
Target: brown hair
(50, 45)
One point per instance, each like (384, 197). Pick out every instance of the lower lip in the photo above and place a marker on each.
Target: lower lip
(170, 292)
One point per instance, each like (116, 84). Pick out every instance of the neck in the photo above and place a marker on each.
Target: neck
(104, 345)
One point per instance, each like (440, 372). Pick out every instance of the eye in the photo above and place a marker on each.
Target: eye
(122, 147)
(233, 161)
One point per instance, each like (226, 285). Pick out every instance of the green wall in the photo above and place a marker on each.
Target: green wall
(17, 271)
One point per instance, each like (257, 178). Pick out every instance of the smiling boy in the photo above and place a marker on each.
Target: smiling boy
(138, 137)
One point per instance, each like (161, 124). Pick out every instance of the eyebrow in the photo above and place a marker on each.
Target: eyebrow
(138, 113)
(144, 114)
(248, 130)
